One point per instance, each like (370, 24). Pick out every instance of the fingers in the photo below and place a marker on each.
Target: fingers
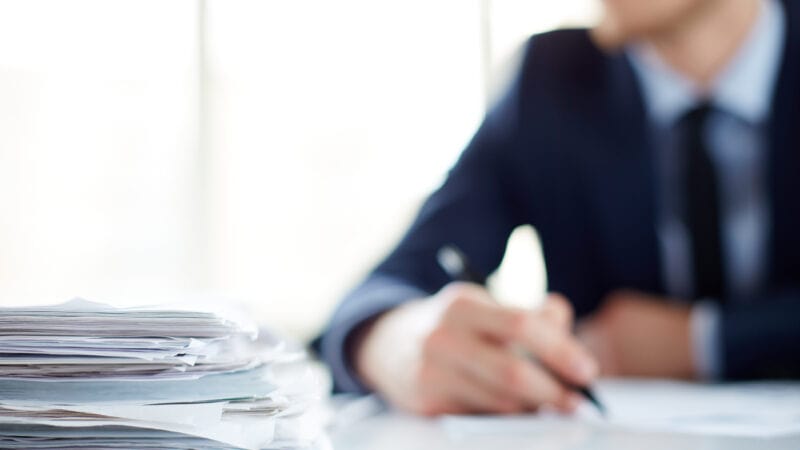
(499, 370)
(448, 391)
(462, 360)
(594, 337)
(469, 362)
(557, 350)
(559, 310)
(472, 309)
(541, 333)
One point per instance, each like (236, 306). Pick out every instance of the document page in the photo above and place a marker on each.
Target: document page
(759, 409)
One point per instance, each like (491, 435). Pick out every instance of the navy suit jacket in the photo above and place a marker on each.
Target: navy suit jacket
(567, 151)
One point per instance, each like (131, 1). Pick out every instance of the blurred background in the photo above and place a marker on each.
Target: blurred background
(265, 153)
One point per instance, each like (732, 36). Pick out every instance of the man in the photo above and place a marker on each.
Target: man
(658, 156)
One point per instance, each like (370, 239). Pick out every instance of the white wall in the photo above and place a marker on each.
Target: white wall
(266, 152)
(97, 132)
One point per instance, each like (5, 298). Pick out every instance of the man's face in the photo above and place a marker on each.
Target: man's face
(641, 18)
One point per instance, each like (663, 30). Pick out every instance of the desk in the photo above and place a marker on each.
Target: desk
(397, 431)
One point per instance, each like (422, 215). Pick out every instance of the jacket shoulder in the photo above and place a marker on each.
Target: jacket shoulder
(567, 55)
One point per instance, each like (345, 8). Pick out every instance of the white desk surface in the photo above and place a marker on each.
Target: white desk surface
(391, 430)
(396, 431)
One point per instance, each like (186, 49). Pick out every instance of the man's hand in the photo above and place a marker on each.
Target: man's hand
(458, 353)
(636, 334)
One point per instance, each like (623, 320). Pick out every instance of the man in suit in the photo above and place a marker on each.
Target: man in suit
(658, 156)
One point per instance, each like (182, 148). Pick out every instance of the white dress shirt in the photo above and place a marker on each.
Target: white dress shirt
(736, 137)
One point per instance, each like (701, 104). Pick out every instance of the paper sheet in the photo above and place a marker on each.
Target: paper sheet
(761, 409)
(250, 435)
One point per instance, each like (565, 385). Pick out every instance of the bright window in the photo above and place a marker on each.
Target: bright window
(264, 152)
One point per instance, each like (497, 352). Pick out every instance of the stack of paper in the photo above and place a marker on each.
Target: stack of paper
(87, 375)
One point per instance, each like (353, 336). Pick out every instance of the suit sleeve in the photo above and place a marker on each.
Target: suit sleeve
(761, 339)
(472, 209)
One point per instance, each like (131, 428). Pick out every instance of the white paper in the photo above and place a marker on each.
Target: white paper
(246, 434)
(762, 409)
(171, 378)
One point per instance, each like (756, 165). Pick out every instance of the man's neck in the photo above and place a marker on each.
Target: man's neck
(701, 45)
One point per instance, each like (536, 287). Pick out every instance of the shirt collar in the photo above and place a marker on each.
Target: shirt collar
(744, 88)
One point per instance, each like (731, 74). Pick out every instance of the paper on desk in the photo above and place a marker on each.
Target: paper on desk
(217, 387)
(763, 409)
(116, 437)
(172, 378)
(82, 318)
(194, 414)
(247, 434)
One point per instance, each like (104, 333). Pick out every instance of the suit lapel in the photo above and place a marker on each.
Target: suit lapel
(622, 183)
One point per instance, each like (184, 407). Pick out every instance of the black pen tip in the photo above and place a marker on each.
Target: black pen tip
(592, 398)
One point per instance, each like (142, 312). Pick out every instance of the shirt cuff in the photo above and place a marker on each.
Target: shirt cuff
(376, 296)
(705, 339)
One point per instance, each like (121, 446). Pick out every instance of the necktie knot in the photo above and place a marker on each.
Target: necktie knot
(695, 118)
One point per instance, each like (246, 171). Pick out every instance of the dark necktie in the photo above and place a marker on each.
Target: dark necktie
(702, 207)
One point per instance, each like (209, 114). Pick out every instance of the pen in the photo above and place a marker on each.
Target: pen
(456, 264)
